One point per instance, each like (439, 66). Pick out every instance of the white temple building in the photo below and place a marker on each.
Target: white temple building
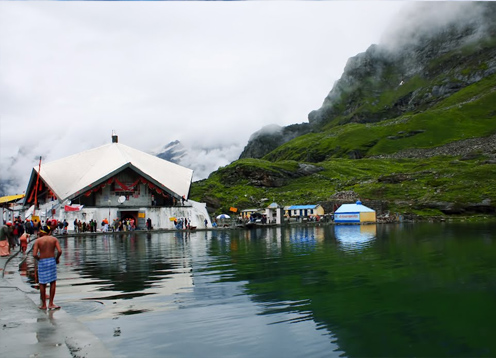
(112, 182)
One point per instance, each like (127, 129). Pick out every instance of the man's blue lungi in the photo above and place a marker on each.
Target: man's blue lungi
(47, 270)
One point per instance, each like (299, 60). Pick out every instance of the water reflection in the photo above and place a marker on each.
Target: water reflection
(302, 240)
(237, 292)
(126, 263)
(355, 237)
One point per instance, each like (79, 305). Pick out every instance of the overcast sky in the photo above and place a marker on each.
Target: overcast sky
(206, 73)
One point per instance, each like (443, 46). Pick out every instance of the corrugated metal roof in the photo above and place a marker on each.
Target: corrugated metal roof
(302, 207)
(76, 173)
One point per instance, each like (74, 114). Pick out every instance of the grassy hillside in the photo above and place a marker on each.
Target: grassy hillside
(470, 113)
(417, 186)
(423, 144)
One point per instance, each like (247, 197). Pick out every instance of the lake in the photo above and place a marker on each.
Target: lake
(394, 290)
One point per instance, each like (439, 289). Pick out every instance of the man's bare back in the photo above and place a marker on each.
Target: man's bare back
(44, 247)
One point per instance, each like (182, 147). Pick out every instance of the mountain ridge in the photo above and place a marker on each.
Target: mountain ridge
(427, 96)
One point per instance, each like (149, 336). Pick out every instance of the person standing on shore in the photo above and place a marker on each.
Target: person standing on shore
(5, 235)
(66, 226)
(12, 237)
(24, 239)
(44, 252)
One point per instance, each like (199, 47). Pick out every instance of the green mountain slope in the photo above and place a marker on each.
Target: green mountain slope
(469, 113)
(409, 127)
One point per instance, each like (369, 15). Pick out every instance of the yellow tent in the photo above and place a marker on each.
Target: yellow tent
(9, 198)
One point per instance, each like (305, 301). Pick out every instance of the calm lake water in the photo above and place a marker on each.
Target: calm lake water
(407, 290)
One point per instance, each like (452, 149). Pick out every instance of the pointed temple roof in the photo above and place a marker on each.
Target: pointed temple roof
(73, 175)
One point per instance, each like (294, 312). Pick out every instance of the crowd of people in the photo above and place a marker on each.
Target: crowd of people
(17, 234)
(127, 224)
(83, 226)
(105, 226)
(182, 223)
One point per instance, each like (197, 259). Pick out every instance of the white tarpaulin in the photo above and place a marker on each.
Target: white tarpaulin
(70, 176)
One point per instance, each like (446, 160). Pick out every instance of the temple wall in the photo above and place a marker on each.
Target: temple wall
(195, 212)
(143, 199)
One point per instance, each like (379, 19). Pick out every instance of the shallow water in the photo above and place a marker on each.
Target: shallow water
(416, 290)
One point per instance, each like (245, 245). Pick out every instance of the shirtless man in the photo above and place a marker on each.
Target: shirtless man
(44, 252)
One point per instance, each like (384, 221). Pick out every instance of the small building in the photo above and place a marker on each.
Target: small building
(305, 211)
(247, 214)
(354, 213)
(274, 214)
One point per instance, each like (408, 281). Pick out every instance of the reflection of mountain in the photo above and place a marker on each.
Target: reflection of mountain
(394, 299)
(397, 298)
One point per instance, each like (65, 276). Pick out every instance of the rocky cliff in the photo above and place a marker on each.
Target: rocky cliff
(436, 50)
(409, 126)
(270, 137)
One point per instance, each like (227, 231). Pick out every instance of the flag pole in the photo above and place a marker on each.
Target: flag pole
(36, 188)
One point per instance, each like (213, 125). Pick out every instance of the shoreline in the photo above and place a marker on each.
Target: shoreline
(236, 226)
(28, 331)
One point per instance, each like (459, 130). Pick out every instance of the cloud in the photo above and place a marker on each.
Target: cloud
(207, 74)
(420, 19)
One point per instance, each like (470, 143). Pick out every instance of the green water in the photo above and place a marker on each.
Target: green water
(416, 290)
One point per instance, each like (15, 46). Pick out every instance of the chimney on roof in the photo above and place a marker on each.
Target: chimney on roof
(115, 139)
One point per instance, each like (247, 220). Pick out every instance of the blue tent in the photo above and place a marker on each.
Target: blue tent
(354, 213)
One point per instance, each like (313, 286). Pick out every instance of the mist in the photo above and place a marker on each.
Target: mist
(207, 74)
(424, 19)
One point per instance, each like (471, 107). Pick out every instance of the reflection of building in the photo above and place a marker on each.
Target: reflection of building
(354, 213)
(128, 268)
(114, 181)
(355, 236)
(303, 238)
